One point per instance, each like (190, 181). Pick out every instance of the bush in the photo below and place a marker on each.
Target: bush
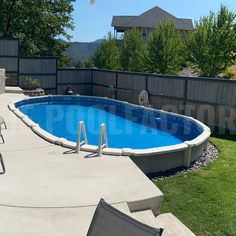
(230, 74)
(31, 83)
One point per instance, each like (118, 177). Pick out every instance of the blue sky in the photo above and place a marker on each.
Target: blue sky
(94, 22)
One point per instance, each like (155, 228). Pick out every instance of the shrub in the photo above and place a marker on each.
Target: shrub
(31, 83)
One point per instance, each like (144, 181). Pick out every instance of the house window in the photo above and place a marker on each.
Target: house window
(144, 32)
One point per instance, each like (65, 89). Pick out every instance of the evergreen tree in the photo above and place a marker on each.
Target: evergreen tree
(165, 49)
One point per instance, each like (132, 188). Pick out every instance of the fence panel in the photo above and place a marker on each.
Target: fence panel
(9, 47)
(167, 104)
(43, 69)
(105, 78)
(79, 80)
(128, 96)
(9, 54)
(212, 91)
(74, 76)
(174, 87)
(101, 91)
(136, 82)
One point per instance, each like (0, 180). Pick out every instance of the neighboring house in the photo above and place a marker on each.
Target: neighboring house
(147, 21)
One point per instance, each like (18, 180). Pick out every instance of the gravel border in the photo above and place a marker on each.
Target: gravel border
(209, 156)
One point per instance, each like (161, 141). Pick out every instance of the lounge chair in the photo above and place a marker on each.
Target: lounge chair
(1, 135)
(2, 122)
(2, 165)
(107, 220)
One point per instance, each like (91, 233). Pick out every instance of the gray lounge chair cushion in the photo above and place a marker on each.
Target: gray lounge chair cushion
(108, 221)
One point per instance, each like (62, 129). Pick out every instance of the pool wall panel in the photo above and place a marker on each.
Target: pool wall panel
(159, 162)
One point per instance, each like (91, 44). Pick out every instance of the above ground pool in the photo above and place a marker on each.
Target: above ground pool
(131, 130)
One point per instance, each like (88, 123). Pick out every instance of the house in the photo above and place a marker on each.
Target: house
(147, 21)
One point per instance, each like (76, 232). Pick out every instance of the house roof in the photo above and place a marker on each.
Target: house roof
(150, 19)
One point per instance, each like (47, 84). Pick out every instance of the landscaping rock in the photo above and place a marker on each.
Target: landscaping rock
(209, 156)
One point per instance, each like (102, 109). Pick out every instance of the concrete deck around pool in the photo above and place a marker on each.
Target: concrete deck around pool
(47, 190)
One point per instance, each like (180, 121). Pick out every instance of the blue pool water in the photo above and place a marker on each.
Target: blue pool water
(127, 126)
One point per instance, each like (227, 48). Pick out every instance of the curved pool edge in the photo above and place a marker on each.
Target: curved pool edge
(186, 148)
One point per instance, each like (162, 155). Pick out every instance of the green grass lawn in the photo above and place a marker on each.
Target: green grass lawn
(205, 200)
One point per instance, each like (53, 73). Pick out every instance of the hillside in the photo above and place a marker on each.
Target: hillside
(81, 51)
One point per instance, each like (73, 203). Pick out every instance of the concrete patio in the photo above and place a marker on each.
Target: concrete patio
(47, 190)
(50, 190)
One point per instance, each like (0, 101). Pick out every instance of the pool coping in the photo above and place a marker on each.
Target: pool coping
(187, 145)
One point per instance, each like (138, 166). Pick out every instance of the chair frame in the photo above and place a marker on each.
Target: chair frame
(3, 165)
(1, 134)
(5, 125)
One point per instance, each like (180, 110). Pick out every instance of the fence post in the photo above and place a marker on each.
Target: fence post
(92, 81)
(185, 95)
(18, 63)
(116, 84)
(146, 85)
(56, 89)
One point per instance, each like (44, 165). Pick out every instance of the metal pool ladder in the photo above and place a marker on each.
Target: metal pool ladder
(102, 137)
(102, 132)
(81, 128)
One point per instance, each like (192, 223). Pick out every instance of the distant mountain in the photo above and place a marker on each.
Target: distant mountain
(81, 51)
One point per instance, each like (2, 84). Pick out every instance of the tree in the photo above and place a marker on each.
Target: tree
(79, 64)
(165, 49)
(212, 46)
(106, 55)
(37, 24)
(132, 51)
(88, 63)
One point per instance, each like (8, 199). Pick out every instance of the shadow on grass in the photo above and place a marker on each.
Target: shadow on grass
(227, 135)
(166, 174)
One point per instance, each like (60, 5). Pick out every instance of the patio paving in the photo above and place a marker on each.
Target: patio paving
(49, 190)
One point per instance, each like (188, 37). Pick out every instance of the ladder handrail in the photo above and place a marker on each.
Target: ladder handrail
(102, 132)
(81, 128)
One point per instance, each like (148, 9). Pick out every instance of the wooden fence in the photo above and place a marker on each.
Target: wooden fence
(210, 100)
